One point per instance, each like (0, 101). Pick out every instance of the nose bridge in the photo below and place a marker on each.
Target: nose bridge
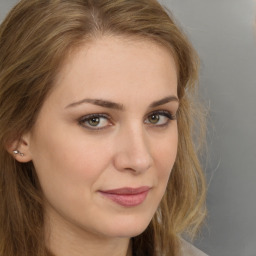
(133, 151)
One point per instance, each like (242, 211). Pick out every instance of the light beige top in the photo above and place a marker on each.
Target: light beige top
(190, 250)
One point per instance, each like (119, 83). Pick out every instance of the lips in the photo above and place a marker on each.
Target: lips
(128, 197)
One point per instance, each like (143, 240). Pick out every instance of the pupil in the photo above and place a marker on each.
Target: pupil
(154, 119)
(94, 121)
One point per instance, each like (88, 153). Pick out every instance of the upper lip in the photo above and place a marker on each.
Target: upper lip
(126, 190)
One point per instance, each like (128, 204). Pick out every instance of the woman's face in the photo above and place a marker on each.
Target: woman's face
(105, 140)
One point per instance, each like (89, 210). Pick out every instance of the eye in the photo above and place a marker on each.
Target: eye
(95, 121)
(160, 118)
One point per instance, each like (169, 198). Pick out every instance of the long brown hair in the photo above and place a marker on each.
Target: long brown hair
(35, 39)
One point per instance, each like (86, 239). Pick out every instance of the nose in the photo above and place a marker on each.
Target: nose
(132, 151)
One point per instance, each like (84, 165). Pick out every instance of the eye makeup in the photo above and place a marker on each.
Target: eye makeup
(95, 121)
(99, 121)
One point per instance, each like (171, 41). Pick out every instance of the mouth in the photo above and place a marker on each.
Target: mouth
(127, 197)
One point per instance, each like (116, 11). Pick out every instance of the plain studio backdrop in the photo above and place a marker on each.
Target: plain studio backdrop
(224, 34)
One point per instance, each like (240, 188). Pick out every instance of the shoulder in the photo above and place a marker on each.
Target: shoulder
(188, 249)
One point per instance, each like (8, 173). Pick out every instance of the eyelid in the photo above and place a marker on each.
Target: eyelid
(85, 118)
(162, 113)
(82, 120)
(166, 113)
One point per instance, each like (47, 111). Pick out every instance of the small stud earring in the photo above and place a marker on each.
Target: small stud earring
(16, 152)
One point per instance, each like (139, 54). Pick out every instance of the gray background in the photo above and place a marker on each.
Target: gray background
(224, 34)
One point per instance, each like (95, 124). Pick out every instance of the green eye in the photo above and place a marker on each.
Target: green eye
(160, 118)
(154, 119)
(94, 121)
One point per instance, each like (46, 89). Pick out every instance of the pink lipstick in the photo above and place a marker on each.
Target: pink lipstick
(127, 197)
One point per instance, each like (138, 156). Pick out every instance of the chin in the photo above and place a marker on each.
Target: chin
(128, 227)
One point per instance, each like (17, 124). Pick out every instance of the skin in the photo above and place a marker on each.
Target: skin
(128, 147)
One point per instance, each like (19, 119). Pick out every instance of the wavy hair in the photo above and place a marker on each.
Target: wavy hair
(35, 39)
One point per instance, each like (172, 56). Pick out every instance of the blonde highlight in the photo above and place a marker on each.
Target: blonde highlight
(35, 39)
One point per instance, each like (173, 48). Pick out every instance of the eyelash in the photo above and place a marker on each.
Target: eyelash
(89, 117)
(162, 113)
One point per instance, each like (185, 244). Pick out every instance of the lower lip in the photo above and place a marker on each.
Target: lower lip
(129, 200)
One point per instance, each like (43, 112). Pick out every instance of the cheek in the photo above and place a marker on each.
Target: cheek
(68, 173)
(89, 158)
(65, 165)
(165, 156)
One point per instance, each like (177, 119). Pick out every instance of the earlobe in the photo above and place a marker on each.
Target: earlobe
(17, 152)
(20, 150)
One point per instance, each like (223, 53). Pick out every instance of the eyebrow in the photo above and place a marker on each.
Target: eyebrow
(98, 102)
(118, 106)
(164, 101)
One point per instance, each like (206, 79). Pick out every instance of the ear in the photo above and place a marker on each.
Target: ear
(19, 149)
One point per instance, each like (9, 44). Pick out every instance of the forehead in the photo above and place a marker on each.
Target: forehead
(110, 64)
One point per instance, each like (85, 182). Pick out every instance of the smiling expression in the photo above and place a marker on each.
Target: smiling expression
(105, 140)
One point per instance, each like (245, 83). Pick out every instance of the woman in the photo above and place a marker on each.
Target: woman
(96, 120)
